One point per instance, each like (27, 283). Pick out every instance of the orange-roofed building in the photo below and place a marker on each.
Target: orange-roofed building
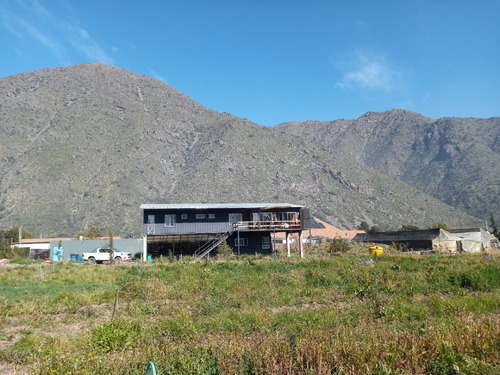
(328, 232)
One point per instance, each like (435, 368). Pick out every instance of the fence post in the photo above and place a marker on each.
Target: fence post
(114, 306)
(375, 292)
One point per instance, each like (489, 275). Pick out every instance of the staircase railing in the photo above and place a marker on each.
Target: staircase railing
(210, 245)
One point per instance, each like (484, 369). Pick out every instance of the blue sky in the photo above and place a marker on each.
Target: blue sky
(275, 61)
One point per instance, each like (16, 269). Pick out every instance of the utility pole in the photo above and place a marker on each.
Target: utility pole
(238, 234)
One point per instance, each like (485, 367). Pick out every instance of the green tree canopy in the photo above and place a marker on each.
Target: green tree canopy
(13, 233)
(90, 232)
(439, 225)
(364, 226)
(494, 226)
(408, 227)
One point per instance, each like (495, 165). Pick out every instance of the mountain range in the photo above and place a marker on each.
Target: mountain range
(456, 160)
(87, 144)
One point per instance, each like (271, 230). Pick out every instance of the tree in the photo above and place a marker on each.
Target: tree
(364, 226)
(8, 237)
(91, 232)
(494, 226)
(110, 245)
(224, 250)
(408, 227)
(12, 235)
(439, 225)
(339, 245)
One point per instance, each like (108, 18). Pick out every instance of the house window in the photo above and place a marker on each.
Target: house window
(211, 216)
(170, 220)
(265, 240)
(151, 224)
(266, 247)
(200, 216)
(241, 242)
(233, 218)
(184, 216)
(288, 216)
(267, 216)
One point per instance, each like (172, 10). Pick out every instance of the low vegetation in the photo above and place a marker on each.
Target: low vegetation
(10, 236)
(324, 314)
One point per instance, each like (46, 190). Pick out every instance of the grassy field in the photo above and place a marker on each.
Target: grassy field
(402, 314)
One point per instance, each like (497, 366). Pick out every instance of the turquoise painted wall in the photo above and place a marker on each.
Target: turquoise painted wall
(79, 247)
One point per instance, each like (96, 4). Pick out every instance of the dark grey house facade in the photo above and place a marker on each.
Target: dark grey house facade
(199, 228)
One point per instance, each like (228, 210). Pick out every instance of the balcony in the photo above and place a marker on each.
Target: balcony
(223, 227)
(274, 225)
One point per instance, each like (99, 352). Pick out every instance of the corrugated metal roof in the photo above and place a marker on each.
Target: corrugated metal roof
(201, 206)
(412, 235)
(314, 224)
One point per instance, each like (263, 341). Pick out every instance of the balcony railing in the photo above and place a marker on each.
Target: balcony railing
(221, 227)
(274, 225)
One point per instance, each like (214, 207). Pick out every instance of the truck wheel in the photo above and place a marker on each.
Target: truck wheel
(118, 258)
(91, 260)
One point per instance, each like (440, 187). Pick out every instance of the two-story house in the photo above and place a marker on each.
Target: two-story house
(198, 228)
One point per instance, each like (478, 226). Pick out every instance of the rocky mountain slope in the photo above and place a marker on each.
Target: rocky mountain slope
(456, 160)
(89, 143)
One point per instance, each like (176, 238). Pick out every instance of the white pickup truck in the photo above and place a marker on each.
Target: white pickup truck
(101, 254)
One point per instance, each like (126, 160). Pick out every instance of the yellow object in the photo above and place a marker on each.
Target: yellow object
(376, 250)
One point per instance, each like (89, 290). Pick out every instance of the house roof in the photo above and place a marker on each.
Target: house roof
(44, 240)
(202, 206)
(331, 231)
(48, 240)
(327, 230)
(400, 236)
(464, 230)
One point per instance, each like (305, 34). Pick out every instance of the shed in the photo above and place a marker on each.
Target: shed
(469, 240)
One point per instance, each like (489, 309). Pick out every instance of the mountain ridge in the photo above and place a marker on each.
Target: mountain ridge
(456, 160)
(87, 144)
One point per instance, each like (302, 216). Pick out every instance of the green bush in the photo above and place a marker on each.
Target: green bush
(224, 250)
(12, 252)
(198, 362)
(477, 279)
(339, 245)
(21, 260)
(116, 336)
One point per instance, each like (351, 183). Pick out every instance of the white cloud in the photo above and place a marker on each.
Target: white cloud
(40, 10)
(53, 32)
(91, 50)
(367, 71)
(20, 27)
(83, 34)
(44, 39)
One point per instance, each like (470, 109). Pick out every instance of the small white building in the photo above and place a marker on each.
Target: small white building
(38, 248)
